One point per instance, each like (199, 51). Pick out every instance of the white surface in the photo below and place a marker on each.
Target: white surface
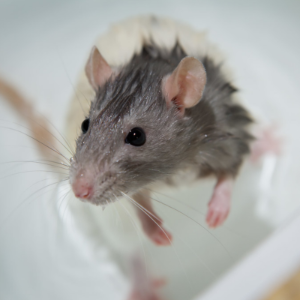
(43, 48)
(270, 264)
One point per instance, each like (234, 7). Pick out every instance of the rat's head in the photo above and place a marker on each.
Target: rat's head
(135, 131)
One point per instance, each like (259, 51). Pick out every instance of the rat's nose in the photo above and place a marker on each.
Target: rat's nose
(82, 188)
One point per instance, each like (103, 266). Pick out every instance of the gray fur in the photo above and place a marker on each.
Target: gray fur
(212, 136)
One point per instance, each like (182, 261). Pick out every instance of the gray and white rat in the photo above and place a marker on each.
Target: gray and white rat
(156, 119)
(162, 112)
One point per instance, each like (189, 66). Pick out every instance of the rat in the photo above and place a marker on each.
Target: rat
(161, 117)
(155, 120)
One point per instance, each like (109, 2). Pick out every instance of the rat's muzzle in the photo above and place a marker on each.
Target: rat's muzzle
(82, 188)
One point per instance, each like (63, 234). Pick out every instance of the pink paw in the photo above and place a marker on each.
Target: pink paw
(218, 211)
(143, 286)
(159, 236)
(267, 142)
(156, 232)
(138, 296)
(148, 294)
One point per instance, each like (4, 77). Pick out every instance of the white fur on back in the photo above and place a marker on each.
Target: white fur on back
(127, 38)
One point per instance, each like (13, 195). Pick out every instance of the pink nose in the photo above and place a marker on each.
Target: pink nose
(82, 189)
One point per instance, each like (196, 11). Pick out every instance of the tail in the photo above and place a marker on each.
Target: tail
(38, 125)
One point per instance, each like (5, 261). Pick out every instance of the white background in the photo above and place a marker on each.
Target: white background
(44, 45)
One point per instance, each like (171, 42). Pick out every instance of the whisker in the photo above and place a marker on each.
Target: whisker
(39, 181)
(21, 204)
(20, 146)
(9, 171)
(118, 214)
(62, 199)
(34, 161)
(62, 136)
(47, 130)
(67, 166)
(198, 257)
(194, 210)
(47, 146)
(219, 242)
(139, 236)
(114, 208)
(59, 164)
(53, 155)
(75, 91)
(66, 206)
(146, 211)
(32, 171)
(176, 200)
(149, 214)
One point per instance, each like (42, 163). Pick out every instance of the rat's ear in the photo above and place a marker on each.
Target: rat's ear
(185, 86)
(97, 69)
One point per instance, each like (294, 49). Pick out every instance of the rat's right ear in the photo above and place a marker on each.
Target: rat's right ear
(97, 69)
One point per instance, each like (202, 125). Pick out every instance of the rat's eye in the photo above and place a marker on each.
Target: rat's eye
(136, 137)
(85, 125)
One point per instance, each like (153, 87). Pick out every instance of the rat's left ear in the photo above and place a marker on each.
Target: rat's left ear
(97, 69)
(185, 86)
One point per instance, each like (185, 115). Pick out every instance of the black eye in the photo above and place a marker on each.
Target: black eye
(85, 125)
(136, 137)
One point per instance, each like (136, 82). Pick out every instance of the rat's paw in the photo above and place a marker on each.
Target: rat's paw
(158, 235)
(137, 296)
(267, 142)
(161, 238)
(150, 293)
(218, 210)
(144, 287)
(154, 230)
